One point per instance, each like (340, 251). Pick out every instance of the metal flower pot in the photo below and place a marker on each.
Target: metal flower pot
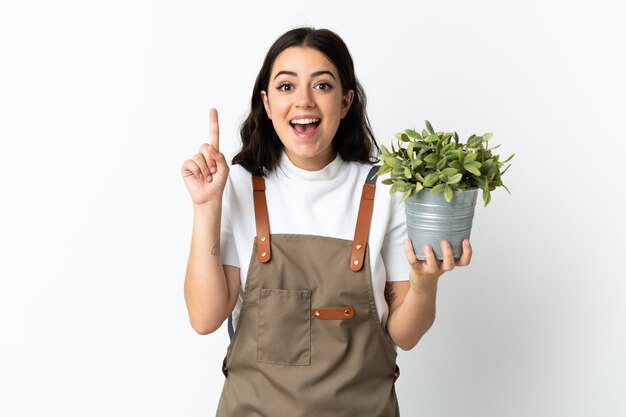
(431, 219)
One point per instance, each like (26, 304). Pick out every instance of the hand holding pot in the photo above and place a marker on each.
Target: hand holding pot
(206, 172)
(425, 274)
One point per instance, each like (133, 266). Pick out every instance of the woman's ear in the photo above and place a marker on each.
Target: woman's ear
(346, 102)
(266, 104)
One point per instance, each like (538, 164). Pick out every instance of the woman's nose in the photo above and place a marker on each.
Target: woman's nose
(305, 98)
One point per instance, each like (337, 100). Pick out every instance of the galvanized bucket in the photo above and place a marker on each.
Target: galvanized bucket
(431, 219)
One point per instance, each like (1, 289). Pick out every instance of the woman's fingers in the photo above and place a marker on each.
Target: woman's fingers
(466, 257)
(214, 141)
(214, 129)
(190, 168)
(201, 160)
(410, 254)
(447, 263)
(219, 160)
(432, 266)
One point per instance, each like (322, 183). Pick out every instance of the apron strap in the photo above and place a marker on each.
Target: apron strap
(363, 220)
(361, 232)
(261, 218)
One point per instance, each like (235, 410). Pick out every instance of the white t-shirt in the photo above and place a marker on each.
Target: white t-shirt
(322, 203)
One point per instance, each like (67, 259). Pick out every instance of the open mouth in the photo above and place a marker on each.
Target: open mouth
(304, 126)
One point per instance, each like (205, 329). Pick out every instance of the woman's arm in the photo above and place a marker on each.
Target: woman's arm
(210, 290)
(412, 303)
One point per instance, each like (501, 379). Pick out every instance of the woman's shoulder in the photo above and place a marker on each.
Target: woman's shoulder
(238, 186)
(238, 175)
(369, 173)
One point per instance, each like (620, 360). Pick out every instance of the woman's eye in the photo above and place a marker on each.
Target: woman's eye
(284, 87)
(323, 86)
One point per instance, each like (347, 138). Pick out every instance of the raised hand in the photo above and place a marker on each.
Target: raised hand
(206, 172)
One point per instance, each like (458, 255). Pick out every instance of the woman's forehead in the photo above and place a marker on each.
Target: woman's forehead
(302, 61)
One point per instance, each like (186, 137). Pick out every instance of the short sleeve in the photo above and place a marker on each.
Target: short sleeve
(394, 257)
(228, 249)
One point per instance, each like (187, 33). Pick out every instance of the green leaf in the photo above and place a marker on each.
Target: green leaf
(409, 149)
(474, 141)
(423, 146)
(481, 182)
(455, 164)
(442, 163)
(473, 167)
(508, 159)
(404, 138)
(392, 161)
(486, 196)
(431, 179)
(418, 187)
(432, 158)
(448, 193)
(418, 176)
(438, 188)
(448, 172)
(387, 181)
(383, 170)
(405, 196)
(471, 157)
(488, 135)
(429, 127)
(407, 172)
(412, 134)
(455, 178)
(431, 138)
(452, 155)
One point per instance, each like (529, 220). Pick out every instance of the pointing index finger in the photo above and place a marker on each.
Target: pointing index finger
(214, 129)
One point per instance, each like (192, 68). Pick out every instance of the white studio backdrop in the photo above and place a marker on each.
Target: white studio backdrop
(101, 102)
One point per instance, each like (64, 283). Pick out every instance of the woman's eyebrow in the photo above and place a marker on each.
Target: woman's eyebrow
(314, 74)
(317, 73)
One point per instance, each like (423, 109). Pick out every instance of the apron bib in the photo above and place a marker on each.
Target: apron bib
(309, 341)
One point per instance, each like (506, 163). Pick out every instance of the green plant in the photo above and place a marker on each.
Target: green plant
(439, 162)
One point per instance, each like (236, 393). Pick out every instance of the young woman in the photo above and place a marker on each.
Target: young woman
(319, 304)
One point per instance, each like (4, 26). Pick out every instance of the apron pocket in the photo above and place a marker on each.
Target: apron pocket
(284, 332)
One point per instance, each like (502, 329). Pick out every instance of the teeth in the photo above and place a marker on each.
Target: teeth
(304, 121)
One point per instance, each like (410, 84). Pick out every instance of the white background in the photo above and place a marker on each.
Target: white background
(101, 102)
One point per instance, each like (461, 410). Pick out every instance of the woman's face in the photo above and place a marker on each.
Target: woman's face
(305, 102)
